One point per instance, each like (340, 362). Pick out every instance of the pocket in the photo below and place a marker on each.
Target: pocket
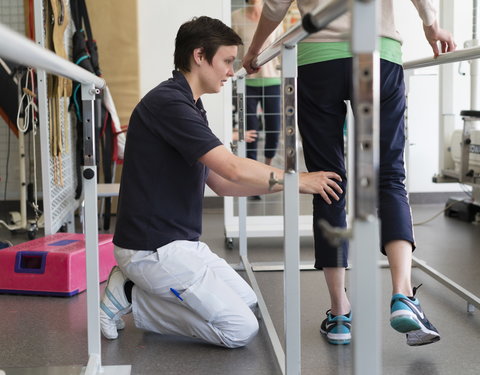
(142, 269)
(182, 261)
(200, 299)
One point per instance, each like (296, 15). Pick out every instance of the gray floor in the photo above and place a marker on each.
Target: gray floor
(48, 334)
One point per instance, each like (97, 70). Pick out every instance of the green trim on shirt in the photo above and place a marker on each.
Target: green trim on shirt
(259, 82)
(391, 50)
(313, 52)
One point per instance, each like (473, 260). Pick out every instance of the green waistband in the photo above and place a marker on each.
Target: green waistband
(313, 52)
(259, 82)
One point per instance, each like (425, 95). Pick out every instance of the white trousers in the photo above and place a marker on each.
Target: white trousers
(185, 289)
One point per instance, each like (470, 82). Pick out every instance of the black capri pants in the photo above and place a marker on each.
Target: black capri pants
(322, 89)
(269, 99)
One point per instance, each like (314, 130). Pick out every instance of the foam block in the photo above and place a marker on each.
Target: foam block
(52, 265)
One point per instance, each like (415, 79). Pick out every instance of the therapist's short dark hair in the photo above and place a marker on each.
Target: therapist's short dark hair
(202, 32)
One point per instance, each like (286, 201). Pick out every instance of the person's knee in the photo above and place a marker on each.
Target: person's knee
(242, 332)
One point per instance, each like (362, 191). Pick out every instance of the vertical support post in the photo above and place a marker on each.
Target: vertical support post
(446, 89)
(408, 74)
(23, 179)
(365, 272)
(291, 213)
(43, 120)
(465, 149)
(89, 175)
(474, 81)
(350, 161)
(242, 152)
(474, 96)
(71, 222)
(474, 64)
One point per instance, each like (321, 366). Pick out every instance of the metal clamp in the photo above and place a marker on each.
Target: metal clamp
(273, 181)
(234, 147)
(334, 235)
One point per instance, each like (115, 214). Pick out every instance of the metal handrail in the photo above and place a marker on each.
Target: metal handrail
(450, 57)
(322, 16)
(17, 48)
(311, 22)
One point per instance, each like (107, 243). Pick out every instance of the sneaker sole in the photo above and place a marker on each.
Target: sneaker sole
(338, 342)
(417, 333)
(405, 324)
(337, 339)
(419, 338)
(404, 321)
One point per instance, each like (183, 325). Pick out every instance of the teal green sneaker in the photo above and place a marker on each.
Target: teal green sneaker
(337, 328)
(407, 316)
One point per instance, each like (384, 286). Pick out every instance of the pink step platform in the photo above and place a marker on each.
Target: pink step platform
(53, 265)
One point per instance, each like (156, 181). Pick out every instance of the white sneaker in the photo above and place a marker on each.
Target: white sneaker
(120, 324)
(114, 304)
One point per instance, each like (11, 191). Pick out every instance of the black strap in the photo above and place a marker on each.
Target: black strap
(91, 44)
(86, 55)
(86, 19)
(82, 22)
(79, 12)
(107, 144)
(75, 13)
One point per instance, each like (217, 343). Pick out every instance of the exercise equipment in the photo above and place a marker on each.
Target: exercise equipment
(459, 160)
(22, 115)
(365, 224)
(19, 49)
(53, 265)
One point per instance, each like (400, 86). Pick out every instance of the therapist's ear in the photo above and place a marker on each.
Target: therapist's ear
(198, 55)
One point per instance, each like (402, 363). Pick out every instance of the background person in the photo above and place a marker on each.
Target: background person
(262, 87)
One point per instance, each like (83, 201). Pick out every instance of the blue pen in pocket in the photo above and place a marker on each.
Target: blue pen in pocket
(176, 294)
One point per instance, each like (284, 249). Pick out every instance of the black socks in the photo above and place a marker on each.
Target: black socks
(127, 287)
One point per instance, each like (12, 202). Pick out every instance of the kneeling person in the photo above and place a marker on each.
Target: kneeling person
(172, 282)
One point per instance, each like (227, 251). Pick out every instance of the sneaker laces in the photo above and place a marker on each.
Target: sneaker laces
(415, 288)
(329, 311)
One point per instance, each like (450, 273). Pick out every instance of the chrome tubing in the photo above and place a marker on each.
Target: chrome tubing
(17, 48)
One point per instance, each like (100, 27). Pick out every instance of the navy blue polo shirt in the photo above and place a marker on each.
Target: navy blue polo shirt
(163, 183)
